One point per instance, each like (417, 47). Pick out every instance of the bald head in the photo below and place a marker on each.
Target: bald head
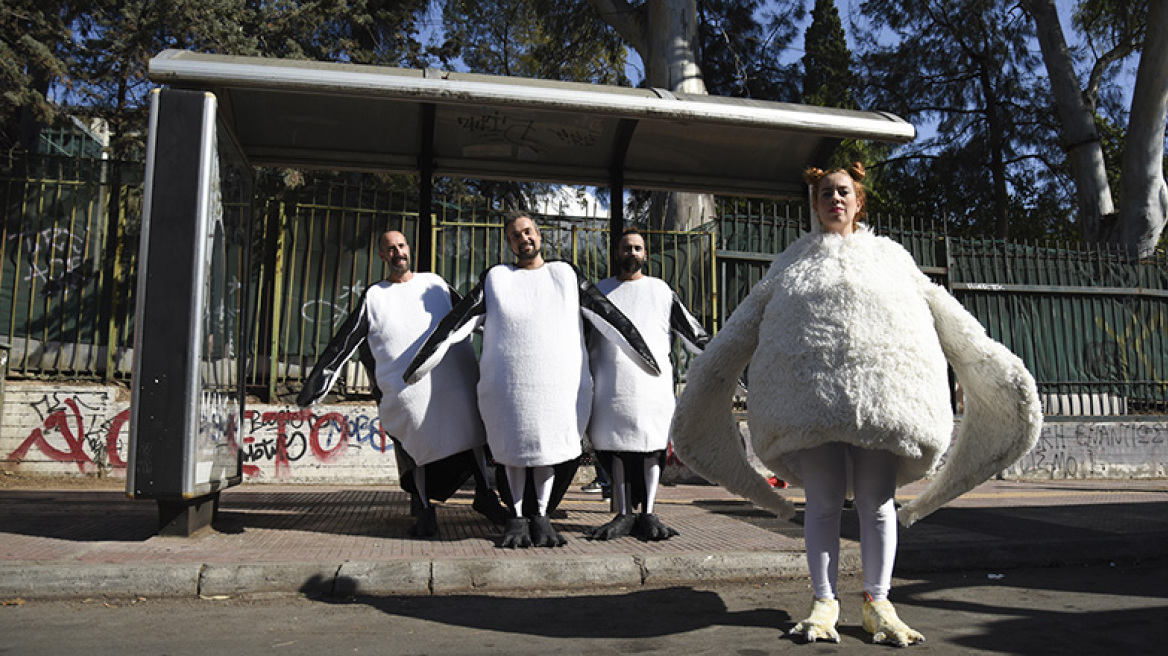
(395, 251)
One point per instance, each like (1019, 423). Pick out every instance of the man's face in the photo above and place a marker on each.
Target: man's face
(523, 238)
(631, 253)
(395, 252)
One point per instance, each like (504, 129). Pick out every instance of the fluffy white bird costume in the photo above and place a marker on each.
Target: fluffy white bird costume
(847, 341)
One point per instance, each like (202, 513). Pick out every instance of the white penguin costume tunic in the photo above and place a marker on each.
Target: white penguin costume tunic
(535, 389)
(631, 410)
(395, 318)
(847, 341)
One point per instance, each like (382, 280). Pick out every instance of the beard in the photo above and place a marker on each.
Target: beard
(399, 265)
(631, 265)
(529, 255)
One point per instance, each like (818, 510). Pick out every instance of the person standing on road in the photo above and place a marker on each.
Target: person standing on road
(847, 343)
(437, 422)
(535, 393)
(631, 410)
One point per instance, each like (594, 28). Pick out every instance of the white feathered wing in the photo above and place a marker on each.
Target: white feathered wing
(1002, 418)
(705, 434)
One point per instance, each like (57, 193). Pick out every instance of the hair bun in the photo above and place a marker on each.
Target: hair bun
(812, 175)
(856, 170)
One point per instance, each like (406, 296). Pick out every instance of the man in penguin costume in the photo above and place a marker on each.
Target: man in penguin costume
(436, 422)
(535, 389)
(631, 410)
(847, 343)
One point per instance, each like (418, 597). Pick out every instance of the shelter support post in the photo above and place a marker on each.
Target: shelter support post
(186, 517)
(424, 257)
(616, 205)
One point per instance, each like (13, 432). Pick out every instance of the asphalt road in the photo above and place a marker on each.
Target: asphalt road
(1110, 608)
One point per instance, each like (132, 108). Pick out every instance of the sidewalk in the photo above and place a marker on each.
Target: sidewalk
(352, 540)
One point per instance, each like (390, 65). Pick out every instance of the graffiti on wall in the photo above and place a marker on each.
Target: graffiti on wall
(87, 431)
(315, 311)
(285, 437)
(1085, 450)
(75, 430)
(55, 259)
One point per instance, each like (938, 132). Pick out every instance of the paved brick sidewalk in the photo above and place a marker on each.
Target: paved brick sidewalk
(999, 524)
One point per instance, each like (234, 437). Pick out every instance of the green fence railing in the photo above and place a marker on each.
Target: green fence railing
(1092, 325)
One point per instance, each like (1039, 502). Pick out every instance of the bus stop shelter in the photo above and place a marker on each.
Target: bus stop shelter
(216, 118)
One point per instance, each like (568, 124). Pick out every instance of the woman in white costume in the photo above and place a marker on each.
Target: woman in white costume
(847, 343)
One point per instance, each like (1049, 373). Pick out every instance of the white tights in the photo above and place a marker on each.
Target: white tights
(543, 478)
(620, 491)
(825, 482)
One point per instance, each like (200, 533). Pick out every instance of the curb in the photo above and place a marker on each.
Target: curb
(451, 576)
(80, 580)
(399, 577)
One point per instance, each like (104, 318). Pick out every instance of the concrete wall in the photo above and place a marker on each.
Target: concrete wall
(72, 429)
(77, 429)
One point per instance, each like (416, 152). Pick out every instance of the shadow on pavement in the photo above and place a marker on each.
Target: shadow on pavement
(637, 614)
(1100, 609)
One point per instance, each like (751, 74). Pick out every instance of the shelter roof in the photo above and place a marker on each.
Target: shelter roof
(357, 117)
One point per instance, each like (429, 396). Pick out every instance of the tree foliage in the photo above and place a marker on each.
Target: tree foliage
(965, 68)
(828, 80)
(544, 39)
(35, 51)
(97, 53)
(740, 46)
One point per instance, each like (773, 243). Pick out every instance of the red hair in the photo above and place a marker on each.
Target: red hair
(813, 176)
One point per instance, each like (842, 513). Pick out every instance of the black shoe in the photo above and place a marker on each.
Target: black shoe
(517, 534)
(427, 526)
(649, 527)
(487, 504)
(620, 526)
(543, 534)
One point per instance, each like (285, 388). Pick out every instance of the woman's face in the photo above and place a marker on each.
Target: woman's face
(836, 203)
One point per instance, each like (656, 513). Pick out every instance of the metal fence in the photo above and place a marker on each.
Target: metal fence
(69, 230)
(1092, 325)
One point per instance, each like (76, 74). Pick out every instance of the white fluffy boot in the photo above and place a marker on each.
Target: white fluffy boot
(820, 624)
(881, 621)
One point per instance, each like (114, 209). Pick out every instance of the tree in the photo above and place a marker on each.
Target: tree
(1138, 225)
(35, 52)
(965, 66)
(117, 39)
(740, 46)
(543, 39)
(828, 81)
(827, 74)
(665, 35)
(671, 37)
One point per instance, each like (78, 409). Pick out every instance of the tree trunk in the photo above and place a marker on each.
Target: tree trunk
(996, 148)
(1077, 118)
(1144, 195)
(664, 33)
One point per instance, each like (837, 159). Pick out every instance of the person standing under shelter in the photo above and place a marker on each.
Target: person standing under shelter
(437, 422)
(535, 393)
(632, 411)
